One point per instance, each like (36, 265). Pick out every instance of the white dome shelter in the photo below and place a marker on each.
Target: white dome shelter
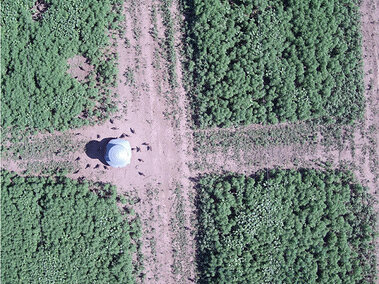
(118, 153)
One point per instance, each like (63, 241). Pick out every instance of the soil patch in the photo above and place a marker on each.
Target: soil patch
(79, 67)
(39, 9)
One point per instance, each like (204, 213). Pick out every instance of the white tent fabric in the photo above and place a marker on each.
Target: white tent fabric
(118, 153)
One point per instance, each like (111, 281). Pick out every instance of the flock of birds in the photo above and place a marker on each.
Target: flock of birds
(146, 145)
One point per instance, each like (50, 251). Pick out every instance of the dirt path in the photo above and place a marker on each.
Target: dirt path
(159, 160)
(370, 32)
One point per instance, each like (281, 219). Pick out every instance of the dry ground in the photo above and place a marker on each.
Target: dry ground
(155, 114)
(158, 165)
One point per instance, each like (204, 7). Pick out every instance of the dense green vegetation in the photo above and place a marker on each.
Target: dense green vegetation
(55, 230)
(285, 226)
(37, 92)
(268, 61)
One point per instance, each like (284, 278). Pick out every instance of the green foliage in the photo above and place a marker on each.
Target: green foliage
(257, 61)
(248, 139)
(129, 77)
(170, 41)
(37, 92)
(37, 147)
(285, 226)
(55, 230)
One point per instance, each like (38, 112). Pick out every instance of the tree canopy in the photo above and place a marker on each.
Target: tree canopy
(55, 230)
(37, 92)
(285, 226)
(256, 61)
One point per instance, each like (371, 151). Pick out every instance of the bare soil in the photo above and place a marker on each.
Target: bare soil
(159, 159)
(152, 116)
(370, 32)
(79, 67)
(39, 9)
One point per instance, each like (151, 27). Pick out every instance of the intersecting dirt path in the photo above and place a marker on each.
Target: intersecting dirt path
(163, 145)
(160, 153)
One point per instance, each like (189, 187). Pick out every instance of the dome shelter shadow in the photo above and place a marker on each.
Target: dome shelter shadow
(96, 149)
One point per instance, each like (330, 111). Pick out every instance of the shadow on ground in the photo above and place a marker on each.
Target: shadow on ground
(96, 149)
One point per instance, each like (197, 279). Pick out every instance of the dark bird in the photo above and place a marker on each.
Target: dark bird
(145, 144)
(105, 167)
(149, 148)
(111, 121)
(88, 165)
(98, 136)
(133, 149)
(97, 166)
(77, 159)
(124, 135)
(141, 174)
(76, 172)
(138, 149)
(132, 130)
(140, 160)
(81, 68)
(77, 133)
(114, 128)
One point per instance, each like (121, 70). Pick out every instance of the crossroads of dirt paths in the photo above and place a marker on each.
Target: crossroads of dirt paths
(153, 113)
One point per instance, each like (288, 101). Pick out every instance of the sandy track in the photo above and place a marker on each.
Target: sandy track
(153, 174)
(370, 32)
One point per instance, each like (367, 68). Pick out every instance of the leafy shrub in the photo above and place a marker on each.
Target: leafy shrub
(257, 61)
(55, 230)
(284, 226)
(37, 92)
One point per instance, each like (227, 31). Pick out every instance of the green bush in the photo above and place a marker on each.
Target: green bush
(37, 92)
(259, 61)
(285, 226)
(55, 230)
